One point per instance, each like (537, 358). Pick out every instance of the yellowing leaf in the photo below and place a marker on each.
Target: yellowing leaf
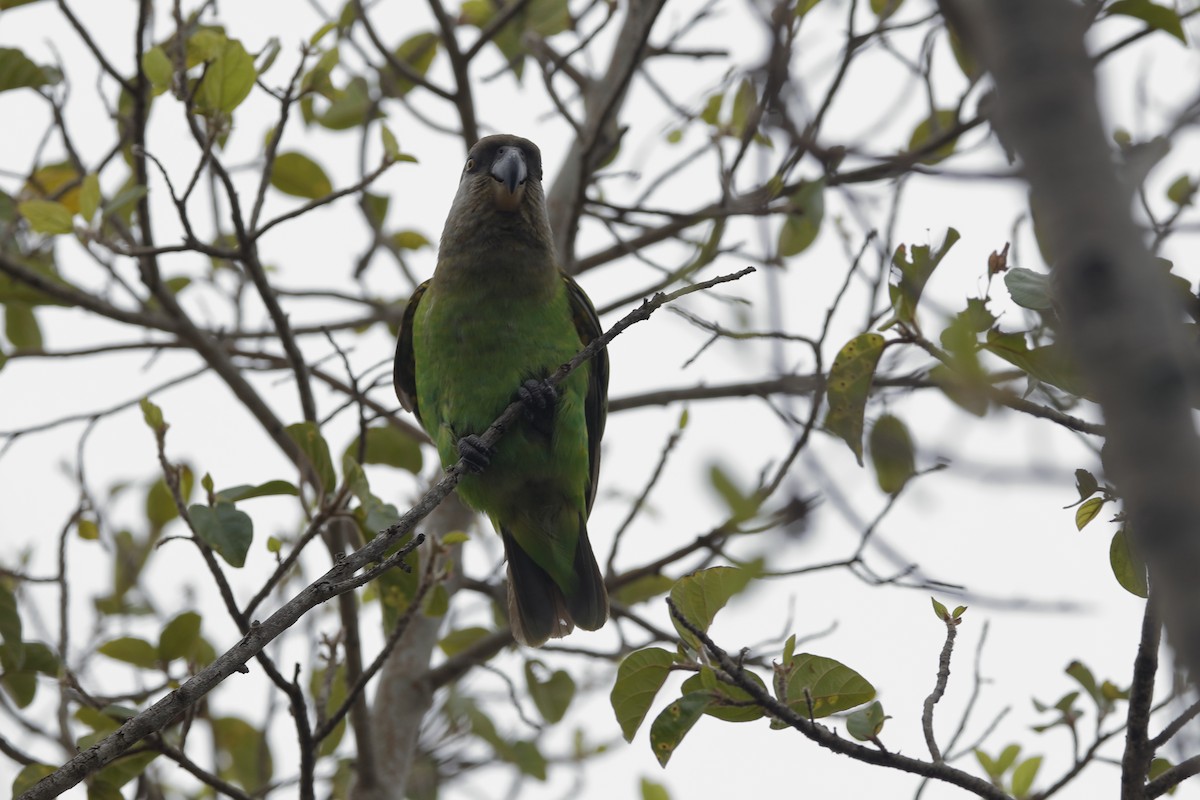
(48, 183)
(824, 686)
(1087, 511)
(47, 216)
(669, 727)
(849, 384)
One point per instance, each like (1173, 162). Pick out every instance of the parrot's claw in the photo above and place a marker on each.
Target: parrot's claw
(539, 397)
(474, 452)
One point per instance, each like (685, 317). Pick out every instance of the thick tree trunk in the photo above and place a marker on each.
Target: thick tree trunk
(1118, 315)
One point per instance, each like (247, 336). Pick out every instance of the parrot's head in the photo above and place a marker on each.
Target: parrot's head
(500, 202)
(504, 170)
(501, 191)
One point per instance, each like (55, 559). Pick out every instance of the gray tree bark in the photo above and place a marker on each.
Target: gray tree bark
(1118, 315)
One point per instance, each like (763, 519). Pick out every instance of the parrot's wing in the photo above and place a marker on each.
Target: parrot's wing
(583, 313)
(404, 373)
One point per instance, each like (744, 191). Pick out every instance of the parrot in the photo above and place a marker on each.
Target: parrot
(495, 320)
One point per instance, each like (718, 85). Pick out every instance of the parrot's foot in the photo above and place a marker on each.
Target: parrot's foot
(474, 452)
(539, 397)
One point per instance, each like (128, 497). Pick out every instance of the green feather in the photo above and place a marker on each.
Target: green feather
(497, 313)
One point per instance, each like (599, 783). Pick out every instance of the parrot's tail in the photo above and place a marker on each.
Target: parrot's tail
(538, 609)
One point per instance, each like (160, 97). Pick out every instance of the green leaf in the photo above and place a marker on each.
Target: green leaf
(437, 602)
(88, 529)
(1157, 767)
(245, 754)
(914, 273)
(21, 327)
(639, 677)
(1084, 677)
(391, 148)
(669, 727)
(712, 108)
(699, 596)
(158, 68)
(849, 384)
(744, 102)
(308, 436)
(299, 176)
(350, 107)
(269, 489)
(1127, 566)
(228, 79)
(1087, 511)
(18, 72)
(417, 52)
(1086, 484)
(1157, 17)
(931, 129)
(806, 210)
(866, 723)
(131, 650)
(885, 8)
(1049, 364)
(118, 773)
(892, 453)
(830, 686)
(180, 637)
(1182, 191)
(30, 773)
(642, 589)
(225, 529)
(10, 626)
(654, 791)
(728, 702)
(124, 200)
(528, 759)
(330, 689)
(47, 216)
(160, 504)
(1024, 774)
(962, 56)
(392, 447)
(940, 610)
(551, 694)
(408, 240)
(89, 196)
(153, 415)
(459, 640)
(1029, 289)
(741, 506)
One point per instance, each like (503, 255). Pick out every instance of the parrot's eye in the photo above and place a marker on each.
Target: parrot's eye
(470, 164)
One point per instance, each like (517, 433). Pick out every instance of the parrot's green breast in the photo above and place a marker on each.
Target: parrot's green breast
(474, 344)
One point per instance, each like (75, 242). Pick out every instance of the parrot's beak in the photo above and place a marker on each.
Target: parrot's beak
(510, 173)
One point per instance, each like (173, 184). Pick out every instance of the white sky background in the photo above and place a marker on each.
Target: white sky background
(979, 523)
